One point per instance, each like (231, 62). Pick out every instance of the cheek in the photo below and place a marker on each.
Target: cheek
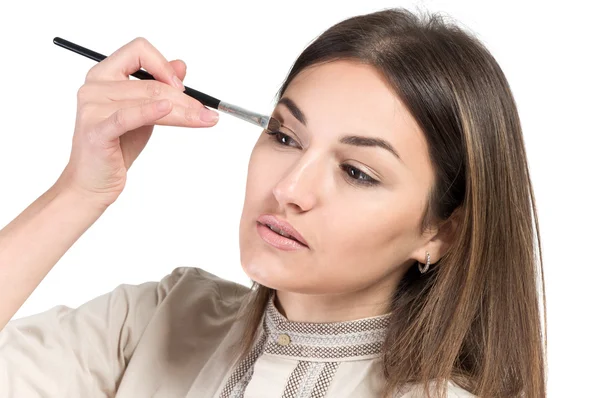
(258, 196)
(259, 176)
(368, 234)
(264, 164)
(377, 237)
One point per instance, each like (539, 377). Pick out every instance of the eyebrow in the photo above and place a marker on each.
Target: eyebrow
(294, 110)
(355, 140)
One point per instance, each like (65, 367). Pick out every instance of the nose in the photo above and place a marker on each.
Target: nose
(298, 188)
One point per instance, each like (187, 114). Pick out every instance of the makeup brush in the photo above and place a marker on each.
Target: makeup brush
(263, 121)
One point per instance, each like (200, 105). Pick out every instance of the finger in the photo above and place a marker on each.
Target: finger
(111, 91)
(136, 90)
(180, 68)
(181, 116)
(126, 119)
(130, 58)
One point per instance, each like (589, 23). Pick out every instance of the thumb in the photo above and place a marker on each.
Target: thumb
(180, 68)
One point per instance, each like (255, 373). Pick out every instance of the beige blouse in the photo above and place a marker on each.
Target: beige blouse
(172, 339)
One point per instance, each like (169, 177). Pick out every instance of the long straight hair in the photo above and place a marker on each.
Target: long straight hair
(475, 318)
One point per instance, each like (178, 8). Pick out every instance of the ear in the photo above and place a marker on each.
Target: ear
(440, 240)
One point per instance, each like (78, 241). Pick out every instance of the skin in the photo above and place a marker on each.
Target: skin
(361, 238)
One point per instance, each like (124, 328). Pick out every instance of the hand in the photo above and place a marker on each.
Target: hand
(116, 116)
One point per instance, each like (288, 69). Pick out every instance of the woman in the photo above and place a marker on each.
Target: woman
(389, 228)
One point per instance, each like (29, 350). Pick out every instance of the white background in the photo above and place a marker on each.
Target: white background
(184, 196)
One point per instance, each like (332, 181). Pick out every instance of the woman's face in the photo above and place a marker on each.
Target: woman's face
(360, 234)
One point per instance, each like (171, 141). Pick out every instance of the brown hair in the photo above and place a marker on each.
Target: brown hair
(475, 317)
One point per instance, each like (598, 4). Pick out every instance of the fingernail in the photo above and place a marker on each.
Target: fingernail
(178, 83)
(209, 116)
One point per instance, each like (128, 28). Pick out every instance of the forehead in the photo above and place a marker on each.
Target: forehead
(347, 97)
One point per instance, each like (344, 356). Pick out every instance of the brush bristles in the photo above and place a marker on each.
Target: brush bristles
(274, 125)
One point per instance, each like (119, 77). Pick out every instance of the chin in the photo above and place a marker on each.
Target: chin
(275, 278)
(264, 265)
(261, 272)
(256, 273)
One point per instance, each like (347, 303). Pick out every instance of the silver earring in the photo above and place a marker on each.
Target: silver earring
(426, 267)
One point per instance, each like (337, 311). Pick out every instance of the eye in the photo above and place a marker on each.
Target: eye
(358, 177)
(278, 136)
(354, 175)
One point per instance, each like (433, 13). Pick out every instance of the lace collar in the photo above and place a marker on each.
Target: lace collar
(333, 341)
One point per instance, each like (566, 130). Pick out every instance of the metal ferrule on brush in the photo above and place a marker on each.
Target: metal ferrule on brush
(252, 117)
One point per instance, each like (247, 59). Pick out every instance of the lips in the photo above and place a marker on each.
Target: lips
(282, 227)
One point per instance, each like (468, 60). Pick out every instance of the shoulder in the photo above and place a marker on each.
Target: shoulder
(417, 391)
(454, 391)
(195, 281)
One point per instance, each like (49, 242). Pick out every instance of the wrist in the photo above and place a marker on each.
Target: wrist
(77, 198)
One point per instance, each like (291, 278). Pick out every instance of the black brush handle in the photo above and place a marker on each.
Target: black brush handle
(141, 74)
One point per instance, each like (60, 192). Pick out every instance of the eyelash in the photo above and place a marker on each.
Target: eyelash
(367, 181)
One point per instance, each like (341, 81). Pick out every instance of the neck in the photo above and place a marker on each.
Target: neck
(299, 307)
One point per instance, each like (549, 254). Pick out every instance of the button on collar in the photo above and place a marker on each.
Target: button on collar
(283, 339)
